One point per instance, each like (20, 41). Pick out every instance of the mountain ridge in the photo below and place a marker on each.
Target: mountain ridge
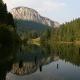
(25, 13)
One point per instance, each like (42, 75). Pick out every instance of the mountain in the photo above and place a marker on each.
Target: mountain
(25, 13)
(28, 20)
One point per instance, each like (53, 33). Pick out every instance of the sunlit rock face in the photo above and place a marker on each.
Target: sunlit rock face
(25, 13)
(24, 68)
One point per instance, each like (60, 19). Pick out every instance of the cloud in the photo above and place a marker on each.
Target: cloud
(13, 3)
(50, 6)
(40, 5)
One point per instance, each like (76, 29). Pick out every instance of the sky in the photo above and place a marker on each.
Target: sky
(57, 10)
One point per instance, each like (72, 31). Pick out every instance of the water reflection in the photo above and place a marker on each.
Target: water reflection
(69, 53)
(40, 68)
(7, 54)
(57, 66)
(40, 60)
(30, 58)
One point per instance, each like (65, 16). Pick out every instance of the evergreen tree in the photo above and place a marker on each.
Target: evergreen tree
(67, 32)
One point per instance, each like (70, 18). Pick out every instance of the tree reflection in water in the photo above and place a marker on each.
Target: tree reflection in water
(33, 57)
(28, 59)
(7, 54)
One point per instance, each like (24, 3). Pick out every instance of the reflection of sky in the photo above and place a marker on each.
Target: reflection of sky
(65, 71)
(59, 10)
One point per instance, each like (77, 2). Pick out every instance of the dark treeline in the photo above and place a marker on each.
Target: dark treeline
(8, 40)
(8, 35)
(5, 16)
(67, 32)
(45, 37)
(29, 29)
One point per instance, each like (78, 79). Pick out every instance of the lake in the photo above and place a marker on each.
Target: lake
(32, 62)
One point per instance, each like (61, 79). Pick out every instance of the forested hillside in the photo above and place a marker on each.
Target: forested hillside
(5, 17)
(67, 32)
(7, 27)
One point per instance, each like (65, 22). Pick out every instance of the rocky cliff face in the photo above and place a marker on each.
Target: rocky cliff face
(24, 13)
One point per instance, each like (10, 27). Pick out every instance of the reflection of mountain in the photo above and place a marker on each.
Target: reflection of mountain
(30, 58)
(36, 60)
(27, 68)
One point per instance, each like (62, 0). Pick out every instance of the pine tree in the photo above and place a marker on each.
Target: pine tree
(1, 2)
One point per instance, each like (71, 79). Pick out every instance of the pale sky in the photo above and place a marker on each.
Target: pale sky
(58, 10)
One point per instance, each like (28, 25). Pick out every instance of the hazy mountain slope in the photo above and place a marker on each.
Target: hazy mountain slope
(27, 19)
(24, 13)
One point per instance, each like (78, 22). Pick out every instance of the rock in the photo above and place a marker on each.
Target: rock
(25, 13)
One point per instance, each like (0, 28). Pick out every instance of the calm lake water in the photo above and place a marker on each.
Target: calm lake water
(32, 62)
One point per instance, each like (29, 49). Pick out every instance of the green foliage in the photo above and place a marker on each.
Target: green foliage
(45, 36)
(68, 32)
(1, 2)
(10, 19)
(5, 17)
(68, 52)
(33, 34)
(8, 35)
(27, 28)
(30, 25)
